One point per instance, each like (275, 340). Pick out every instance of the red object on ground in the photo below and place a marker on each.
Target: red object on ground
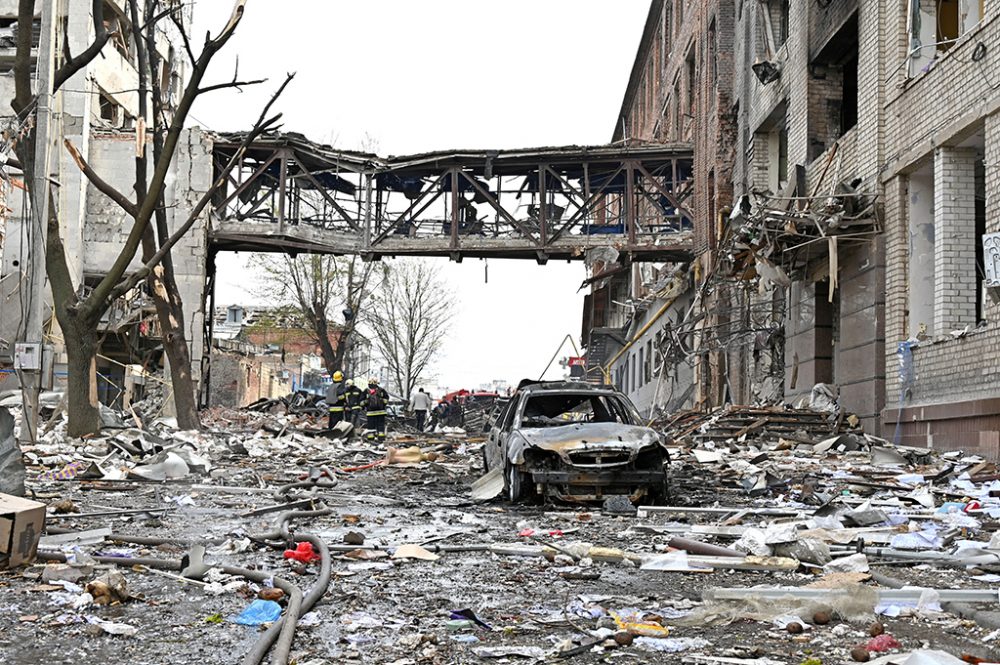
(304, 553)
(883, 643)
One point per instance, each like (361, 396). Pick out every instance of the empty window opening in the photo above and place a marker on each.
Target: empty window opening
(784, 8)
(769, 151)
(676, 111)
(849, 90)
(921, 234)
(111, 111)
(665, 28)
(565, 409)
(120, 29)
(692, 80)
(776, 23)
(777, 157)
(642, 367)
(980, 232)
(649, 362)
(713, 56)
(833, 89)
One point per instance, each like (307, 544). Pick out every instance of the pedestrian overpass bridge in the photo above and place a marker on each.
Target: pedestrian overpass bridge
(288, 194)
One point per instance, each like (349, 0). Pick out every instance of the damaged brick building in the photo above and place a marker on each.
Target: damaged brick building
(841, 191)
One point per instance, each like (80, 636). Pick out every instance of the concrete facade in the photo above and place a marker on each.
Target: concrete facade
(97, 111)
(680, 90)
(897, 100)
(821, 117)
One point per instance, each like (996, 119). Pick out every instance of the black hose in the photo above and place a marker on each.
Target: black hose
(281, 633)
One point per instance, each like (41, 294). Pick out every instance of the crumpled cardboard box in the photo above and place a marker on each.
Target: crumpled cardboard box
(21, 524)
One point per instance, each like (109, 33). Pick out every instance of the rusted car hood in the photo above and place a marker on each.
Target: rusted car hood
(580, 436)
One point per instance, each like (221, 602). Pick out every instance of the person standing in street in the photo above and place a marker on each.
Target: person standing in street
(336, 399)
(420, 404)
(376, 403)
(355, 397)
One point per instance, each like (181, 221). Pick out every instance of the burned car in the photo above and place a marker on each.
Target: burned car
(575, 442)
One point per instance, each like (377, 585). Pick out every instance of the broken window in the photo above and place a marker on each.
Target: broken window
(642, 367)
(946, 223)
(121, 32)
(676, 111)
(665, 35)
(692, 80)
(648, 368)
(784, 9)
(833, 88)
(564, 409)
(111, 111)
(935, 25)
(713, 64)
(773, 135)
(849, 93)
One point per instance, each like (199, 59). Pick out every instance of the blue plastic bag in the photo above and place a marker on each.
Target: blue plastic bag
(259, 611)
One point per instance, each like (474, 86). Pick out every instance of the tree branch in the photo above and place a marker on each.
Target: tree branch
(184, 37)
(102, 294)
(101, 37)
(260, 127)
(232, 84)
(97, 181)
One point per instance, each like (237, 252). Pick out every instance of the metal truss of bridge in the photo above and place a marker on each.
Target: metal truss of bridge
(291, 195)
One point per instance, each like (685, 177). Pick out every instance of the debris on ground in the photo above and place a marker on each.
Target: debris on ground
(787, 537)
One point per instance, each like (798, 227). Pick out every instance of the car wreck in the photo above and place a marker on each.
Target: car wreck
(574, 442)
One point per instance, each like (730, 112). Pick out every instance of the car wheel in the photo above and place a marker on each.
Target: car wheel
(517, 482)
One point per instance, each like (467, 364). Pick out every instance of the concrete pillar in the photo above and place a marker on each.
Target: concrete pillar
(955, 238)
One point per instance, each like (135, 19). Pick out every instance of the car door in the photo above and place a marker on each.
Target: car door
(495, 456)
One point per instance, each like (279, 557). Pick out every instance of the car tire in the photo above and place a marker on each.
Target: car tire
(517, 482)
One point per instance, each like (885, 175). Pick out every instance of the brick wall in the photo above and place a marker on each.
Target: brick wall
(662, 107)
(955, 241)
(930, 116)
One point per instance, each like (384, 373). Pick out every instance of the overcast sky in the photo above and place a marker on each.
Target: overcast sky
(433, 75)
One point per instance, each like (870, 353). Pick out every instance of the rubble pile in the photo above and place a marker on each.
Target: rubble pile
(787, 538)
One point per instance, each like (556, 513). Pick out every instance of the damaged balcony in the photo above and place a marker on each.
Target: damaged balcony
(291, 195)
(782, 237)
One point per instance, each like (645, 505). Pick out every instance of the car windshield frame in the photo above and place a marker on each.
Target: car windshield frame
(628, 409)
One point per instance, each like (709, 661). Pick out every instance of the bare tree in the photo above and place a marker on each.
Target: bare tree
(77, 312)
(315, 285)
(410, 315)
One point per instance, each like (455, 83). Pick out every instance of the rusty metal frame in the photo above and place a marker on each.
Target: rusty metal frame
(370, 208)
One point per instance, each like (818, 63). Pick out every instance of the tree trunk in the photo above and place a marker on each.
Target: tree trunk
(79, 331)
(81, 367)
(170, 312)
(330, 358)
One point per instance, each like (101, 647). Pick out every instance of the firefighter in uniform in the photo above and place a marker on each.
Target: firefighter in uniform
(355, 397)
(376, 403)
(336, 399)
